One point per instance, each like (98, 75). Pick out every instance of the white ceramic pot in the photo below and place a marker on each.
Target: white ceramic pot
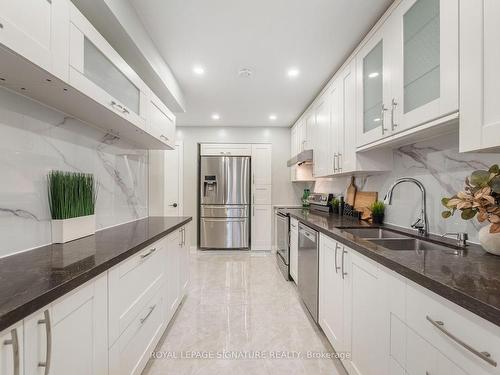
(71, 229)
(489, 241)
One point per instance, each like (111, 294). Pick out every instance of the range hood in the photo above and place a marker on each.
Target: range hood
(305, 156)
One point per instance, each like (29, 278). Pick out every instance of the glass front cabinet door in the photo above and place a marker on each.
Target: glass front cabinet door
(373, 89)
(425, 62)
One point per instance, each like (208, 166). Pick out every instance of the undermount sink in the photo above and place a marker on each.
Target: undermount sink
(405, 244)
(366, 233)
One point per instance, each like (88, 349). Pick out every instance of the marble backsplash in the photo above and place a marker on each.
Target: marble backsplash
(35, 139)
(439, 166)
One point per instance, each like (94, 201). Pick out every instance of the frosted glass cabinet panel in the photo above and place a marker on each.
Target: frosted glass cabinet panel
(421, 54)
(106, 75)
(372, 88)
(373, 92)
(424, 62)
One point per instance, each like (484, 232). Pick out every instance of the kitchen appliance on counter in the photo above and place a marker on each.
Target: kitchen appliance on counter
(309, 269)
(319, 201)
(224, 202)
(283, 243)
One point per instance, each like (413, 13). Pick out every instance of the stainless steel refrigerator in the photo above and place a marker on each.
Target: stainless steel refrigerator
(224, 202)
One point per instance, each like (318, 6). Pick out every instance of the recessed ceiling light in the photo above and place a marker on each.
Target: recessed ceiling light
(198, 70)
(245, 73)
(273, 117)
(215, 116)
(373, 75)
(293, 72)
(376, 119)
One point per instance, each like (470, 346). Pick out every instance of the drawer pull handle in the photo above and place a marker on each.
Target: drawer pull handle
(48, 332)
(151, 309)
(485, 356)
(144, 256)
(164, 137)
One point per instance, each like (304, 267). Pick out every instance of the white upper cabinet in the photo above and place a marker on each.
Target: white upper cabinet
(321, 135)
(480, 81)
(373, 89)
(98, 71)
(229, 149)
(35, 29)
(424, 62)
(160, 121)
(261, 164)
(408, 70)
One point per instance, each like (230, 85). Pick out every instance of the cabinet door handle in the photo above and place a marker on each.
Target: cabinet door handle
(14, 341)
(183, 230)
(485, 356)
(334, 163)
(344, 274)
(336, 266)
(1, 25)
(48, 335)
(144, 256)
(164, 137)
(339, 162)
(151, 309)
(382, 119)
(394, 104)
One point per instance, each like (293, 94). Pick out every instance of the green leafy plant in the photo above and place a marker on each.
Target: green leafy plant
(480, 197)
(71, 194)
(377, 208)
(335, 203)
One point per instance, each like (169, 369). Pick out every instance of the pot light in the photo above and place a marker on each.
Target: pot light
(376, 119)
(293, 72)
(215, 116)
(198, 70)
(273, 117)
(373, 75)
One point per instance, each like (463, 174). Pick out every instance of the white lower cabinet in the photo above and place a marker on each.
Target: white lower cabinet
(70, 335)
(294, 250)
(386, 324)
(11, 350)
(109, 325)
(366, 315)
(131, 352)
(261, 224)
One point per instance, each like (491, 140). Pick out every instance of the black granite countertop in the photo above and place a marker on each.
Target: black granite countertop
(33, 279)
(471, 280)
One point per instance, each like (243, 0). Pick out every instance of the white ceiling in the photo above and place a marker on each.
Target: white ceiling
(267, 36)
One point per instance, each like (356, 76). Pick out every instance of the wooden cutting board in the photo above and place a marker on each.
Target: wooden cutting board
(363, 201)
(351, 193)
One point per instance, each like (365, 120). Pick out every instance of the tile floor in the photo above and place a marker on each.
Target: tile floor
(239, 305)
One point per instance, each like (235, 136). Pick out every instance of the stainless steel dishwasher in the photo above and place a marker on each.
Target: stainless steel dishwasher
(308, 269)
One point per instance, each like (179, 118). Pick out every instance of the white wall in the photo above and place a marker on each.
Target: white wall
(283, 192)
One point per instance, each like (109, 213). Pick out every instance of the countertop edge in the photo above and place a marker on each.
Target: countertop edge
(471, 304)
(22, 311)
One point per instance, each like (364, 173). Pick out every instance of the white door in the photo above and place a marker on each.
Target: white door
(373, 88)
(424, 62)
(331, 292)
(479, 74)
(261, 223)
(366, 316)
(166, 182)
(261, 164)
(79, 331)
(11, 350)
